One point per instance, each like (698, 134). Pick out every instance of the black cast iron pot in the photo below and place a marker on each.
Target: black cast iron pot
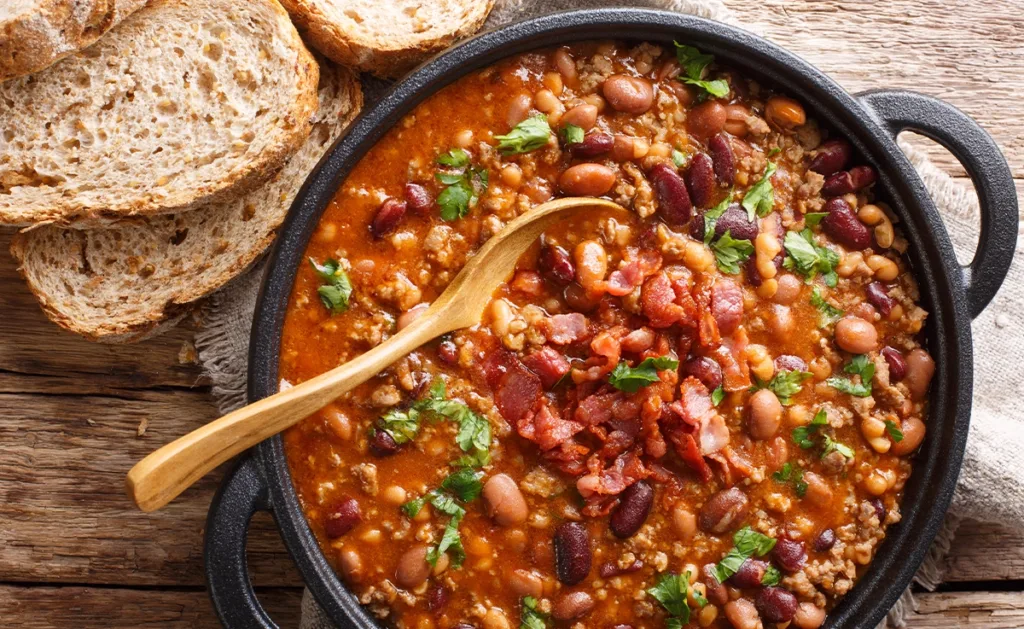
(951, 293)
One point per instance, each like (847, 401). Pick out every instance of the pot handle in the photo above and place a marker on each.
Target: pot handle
(241, 495)
(901, 110)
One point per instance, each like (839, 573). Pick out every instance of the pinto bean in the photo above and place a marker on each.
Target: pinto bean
(587, 180)
(505, 503)
(411, 315)
(593, 144)
(784, 112)
(387, 218)
(518, 108)
(583, 116)
(351, 565)
(736, 120)
(566, 67)
(776, 604)
(572, 605)
(704, 369)
(724, 511)
(418, 199)
(897, 365)
(526, 583)
(790, 555)
(573, 555)
(831, 157)
(591, 263)
(818, 492)
(749, 574)
(789, 362)
(855, 335)
(413, 568)
(700, 180)
(684, 523)
(913, 434)
(742, 614)
(765, 415)
(842, 224)
(879, 297)
(706, 119)
(789, 289)
(716, 592)
(632, 510)
(808, 616)
(629, 94)
(673, 199)
(556, 265)
(722, 158)
(920, 369)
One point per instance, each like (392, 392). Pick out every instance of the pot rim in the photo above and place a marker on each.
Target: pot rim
(929, 492)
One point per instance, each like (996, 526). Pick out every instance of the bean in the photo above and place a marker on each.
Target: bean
(735, 221)
(808, 616)
(742, 614)
(526, 583)
(897, 365)
(749, 574)
(831, 157)
(464, 625)
(587, 180)
(913, 434)
(736, 120)
(338, 422)
(704, 369)
(418, 199)
(782, 322)
(818, 492)
(629, 94)
(511, 176)
(593, 144)
(632, 511)
(778, 453)
(342, 518)
(879, 297)
(789, 362)
(518, 108)
(700, 180)
(572, 552)
(572, 605)
(789, 289)
(608, 570)
(351, 565)
(591, 263)
(847, 181)
(825, 541)
(411, 315)
(505, 503)
(448, 352)
(556, 265)
(577, 298)
(387, 218)
(855, 335)
(496, 619)
(920, 369)
(382, 443)
(716, 592)
(627, 148)
(784, 112)
(842, 224)
(547, 102)
(673, 199)
(566, 67)
(706, 119)
(765, 415)
(722, 158)
(684, 523)
(724, 511)
(776, 604)
(583, 116)
(437, 597)
(790, 555)
(413, 568)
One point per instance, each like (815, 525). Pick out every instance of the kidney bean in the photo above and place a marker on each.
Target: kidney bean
(673, 198)
(842, 224)
(610, 569)
(706, 119)
(629, 94)
(749, 574)
(776, 604)
(789, 362)
(578, 299)
(583, 116)
(913, 434)
(342, 518)
(742, 614)
(847, 181)
(572, 605)
(632, 510)
(879, 297)
(724, 511)
(716, 592)
(505, 503)
(437, 597)
(831, 157)
(413, 568)
(808, 616)
(765, 415)
(704, 369)
(879, 507)
(464, 625)
(556, 265)
(856, 335)
(382, 443)
(387, 218)
(586, 180)
(572, 552)
(735, 221)
(593, 144)
(919, 372)
(897, 366)
(700, 180)
(418, 199)
(722, 158)
(448, 352)
(790, 555)
(825, 541)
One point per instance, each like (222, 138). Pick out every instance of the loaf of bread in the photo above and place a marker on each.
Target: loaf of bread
(126, 282)
(387, 38)
(185, 103)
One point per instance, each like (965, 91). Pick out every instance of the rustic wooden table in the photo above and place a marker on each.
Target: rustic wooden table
(76, 416)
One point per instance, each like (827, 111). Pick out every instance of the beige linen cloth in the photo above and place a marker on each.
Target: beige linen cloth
(991, 485)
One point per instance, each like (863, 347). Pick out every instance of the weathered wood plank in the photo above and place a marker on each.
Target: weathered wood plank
(977, 610)
(985, 552)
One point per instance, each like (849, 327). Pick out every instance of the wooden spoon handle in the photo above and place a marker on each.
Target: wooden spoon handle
(160, 477)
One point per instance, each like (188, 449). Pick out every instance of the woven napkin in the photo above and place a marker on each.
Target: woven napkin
(991, 485)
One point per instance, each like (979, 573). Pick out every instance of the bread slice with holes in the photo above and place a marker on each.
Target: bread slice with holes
(124, 283)
(34, 34)
(184, 103)
(386, 38)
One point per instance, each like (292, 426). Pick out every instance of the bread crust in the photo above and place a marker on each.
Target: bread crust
(379, 56)
(35, 40)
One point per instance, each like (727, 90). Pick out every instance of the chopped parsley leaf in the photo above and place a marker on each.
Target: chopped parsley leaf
(531, 618)
(760, 199)
(811, 219)
(829, 313)
(785, 384)
(462, 485)
(671, 591)
(730, 253)
(746, 543)
(790, 473)
(631, 379)
(465, 484)
(572, 134)
(711, 216)
(717, 395)
(804, 435)
(774, 151)
(833, 445)
(772, 576)
(462, 191)
(894, 431)
(529, 135)
(679, 158)
(861, 366)
(336, 288)
(451, 543)
(694, 62)
(402, 426)
(474, 436)
(808, 259)
(455, 158)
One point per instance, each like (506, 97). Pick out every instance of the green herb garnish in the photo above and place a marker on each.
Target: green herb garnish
(790, 473)
(529, 135)
(717, 395)
(760, 199)
(672, 591)
(730, 253)
(784, 384)
(336, 288)
(463, 485)
(631, 379)
(711, 216)
(811, 219)
(829, 313)
(572, 134)
(746, 543)
(805, 257)
(531, 618)
(694, 62)
(455, 158)
(679, 158)
(772, 576)
(401, 425)
(831, 445)
(861, 366)
(804, 435)
(894, 431)
(474, 436)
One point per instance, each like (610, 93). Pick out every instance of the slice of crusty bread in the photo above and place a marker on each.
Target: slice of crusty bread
(120, 284)
(36, 33)
(186, 102)
(386, 37)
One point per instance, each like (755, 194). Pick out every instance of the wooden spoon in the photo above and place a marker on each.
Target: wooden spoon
(160, 477)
